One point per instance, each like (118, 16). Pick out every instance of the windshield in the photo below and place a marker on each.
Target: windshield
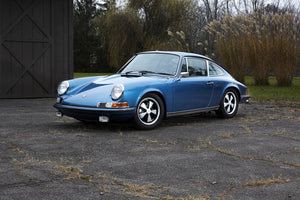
(153, 63)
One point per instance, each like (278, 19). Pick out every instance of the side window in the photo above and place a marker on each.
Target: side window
(197, 67)
(215, 70)
(184, 66)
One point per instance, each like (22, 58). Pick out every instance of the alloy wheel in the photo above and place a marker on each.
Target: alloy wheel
(230, 102)
(148, 111)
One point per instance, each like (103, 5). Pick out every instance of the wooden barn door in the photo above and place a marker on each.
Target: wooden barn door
(35, 47)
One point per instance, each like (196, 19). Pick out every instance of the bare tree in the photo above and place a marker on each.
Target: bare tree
(247, 6)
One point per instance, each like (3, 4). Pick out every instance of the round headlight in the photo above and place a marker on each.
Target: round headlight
(117, 91)
(63, 87)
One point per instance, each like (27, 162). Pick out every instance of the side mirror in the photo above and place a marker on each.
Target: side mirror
(183, 74)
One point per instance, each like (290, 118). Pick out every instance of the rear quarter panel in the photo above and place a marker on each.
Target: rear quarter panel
(221, 84)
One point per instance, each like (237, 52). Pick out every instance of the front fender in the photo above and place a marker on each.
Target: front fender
(134, 96)
(149, 90)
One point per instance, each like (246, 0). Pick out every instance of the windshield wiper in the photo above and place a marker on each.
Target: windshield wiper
(131, 73)
(150, 72)
(147, 72)
(140, 73)
(137, 73)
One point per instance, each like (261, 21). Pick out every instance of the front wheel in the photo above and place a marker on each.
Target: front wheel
(229, 104)
(149, 112)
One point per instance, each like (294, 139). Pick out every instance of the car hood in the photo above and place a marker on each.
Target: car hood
(130, 82)
(99, 89)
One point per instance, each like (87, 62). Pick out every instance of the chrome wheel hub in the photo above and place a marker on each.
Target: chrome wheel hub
(148, 111)
(230, 103)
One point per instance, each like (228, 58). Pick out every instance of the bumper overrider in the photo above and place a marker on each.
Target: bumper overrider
(245, 98)
(95, 114)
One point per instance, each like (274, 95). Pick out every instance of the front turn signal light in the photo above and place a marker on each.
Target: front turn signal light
(117, 105)
(120, 105)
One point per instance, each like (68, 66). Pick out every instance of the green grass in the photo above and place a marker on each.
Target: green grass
(81, 75)
(273, 92)
(265, 93)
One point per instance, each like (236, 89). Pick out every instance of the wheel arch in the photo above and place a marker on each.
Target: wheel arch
(159, 94)
(163, 100)
(232, 87)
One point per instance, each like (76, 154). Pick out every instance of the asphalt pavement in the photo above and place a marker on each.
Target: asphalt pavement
(255, 155)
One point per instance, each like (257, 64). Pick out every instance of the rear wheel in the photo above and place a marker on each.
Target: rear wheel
(149, 112)
(229, 104)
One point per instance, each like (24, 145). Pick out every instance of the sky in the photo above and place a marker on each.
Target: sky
(121, 3)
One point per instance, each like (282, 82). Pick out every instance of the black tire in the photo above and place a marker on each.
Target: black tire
(229, 104)
(149, 112)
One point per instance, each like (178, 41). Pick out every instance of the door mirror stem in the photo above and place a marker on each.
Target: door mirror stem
(183, 74)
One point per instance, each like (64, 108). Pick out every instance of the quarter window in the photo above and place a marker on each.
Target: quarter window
(215, 70)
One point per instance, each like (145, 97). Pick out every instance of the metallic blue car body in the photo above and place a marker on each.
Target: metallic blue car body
(180, 94)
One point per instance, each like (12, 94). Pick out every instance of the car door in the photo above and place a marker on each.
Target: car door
(194, 91)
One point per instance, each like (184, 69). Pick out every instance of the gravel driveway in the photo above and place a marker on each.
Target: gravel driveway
(255, 155)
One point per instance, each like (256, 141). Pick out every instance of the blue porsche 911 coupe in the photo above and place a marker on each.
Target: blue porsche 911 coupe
(152, 86)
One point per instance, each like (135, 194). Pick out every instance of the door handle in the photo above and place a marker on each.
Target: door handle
(209, 83)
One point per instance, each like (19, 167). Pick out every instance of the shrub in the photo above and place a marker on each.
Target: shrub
(259, 47)
(231, 44)
(285, 50)
(267, 42)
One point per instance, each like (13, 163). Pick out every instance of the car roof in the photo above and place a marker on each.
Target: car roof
(179, 53)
